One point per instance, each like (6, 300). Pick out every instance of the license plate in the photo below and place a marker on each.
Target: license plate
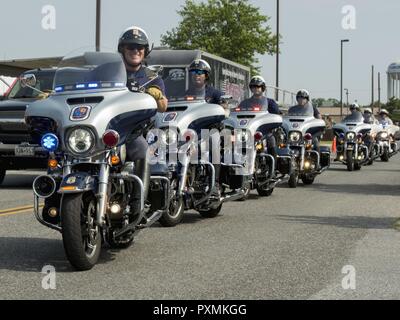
(24, 151)
(350, 148)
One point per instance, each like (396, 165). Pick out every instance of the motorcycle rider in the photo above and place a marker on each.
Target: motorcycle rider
(384, 117)
(200, 71)
(257, 86)
(368, 116)
(303, 101)
(133, 44)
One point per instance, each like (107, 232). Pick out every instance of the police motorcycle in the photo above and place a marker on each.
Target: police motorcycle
(386, 142)
(251, 125)
(187, 140)
(300, 126)
(351, 135)
(84, 125)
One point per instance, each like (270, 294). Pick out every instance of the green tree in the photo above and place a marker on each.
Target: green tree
(233, 29)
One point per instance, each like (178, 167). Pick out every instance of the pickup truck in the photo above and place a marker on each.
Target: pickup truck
(18, 151)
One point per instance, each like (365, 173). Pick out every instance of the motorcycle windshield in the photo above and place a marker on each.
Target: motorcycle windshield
(301, 111)
(181, 86)
(90, 71)
(354, 117)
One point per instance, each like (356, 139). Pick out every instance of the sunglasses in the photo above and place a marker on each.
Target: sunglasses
(254, 86)
(132, 47)
(198, 72)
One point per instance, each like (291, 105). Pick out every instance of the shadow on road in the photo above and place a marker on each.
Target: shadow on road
(32, 254)
(355, 222)
(362, 189)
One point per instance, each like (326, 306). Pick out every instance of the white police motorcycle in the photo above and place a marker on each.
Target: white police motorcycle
(351, 135)
(386, 142)
(84, 125)
(188, 140)
(251, 126)
(300, 126)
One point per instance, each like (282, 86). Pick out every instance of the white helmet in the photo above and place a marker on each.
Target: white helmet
(367, 110)
(355, 106)
(384, 111)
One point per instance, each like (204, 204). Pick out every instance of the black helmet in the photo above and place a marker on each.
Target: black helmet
(200, 64)
(303, 94)
(134, 35)
(257, 81)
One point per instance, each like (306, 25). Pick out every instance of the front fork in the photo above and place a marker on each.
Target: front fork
(102, 193)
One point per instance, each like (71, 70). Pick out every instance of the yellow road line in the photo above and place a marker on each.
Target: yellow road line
(12, 211)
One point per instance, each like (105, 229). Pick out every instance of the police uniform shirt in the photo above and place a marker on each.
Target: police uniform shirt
(264, 103)
(211, 94)
(143, 76)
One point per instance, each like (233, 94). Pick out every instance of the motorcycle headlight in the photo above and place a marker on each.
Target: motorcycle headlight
(295, 136)
(350, 136)
(170, 137)
(80, 140)
(383, 135)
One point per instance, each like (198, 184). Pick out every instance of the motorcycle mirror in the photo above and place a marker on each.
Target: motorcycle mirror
(28, 80)
(156, 69)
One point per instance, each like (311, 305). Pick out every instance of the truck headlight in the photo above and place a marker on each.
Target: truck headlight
(80, 140)
(295, 136)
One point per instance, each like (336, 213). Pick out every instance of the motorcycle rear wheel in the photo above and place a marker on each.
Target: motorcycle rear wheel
(81, 237)
(210, 213)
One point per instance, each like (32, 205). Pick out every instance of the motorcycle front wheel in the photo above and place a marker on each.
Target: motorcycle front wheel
(81, 236)
(350, 160)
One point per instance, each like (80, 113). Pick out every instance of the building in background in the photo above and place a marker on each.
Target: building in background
(393, 78)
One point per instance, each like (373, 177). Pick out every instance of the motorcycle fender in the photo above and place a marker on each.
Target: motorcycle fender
(77, 182)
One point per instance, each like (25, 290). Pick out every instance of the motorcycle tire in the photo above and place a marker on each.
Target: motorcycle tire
(120, 244)
(264, 193)
(174, 215)
(2, 175)
(308, 181)
(211, 213)
(75, 208)
(293, 179)
(350, 161)
(385, 155)
(357, 166)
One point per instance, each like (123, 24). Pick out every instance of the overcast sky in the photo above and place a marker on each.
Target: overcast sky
(311, 31)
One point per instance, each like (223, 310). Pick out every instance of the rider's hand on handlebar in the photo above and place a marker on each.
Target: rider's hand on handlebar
(155, 92)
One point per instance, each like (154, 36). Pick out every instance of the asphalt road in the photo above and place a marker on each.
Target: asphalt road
(292, 245)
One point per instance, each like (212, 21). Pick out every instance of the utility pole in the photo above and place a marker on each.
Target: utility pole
(373, 88)
(98, 24)
(347, 97)
(277, 51)
(379, 92)
(341, 76)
